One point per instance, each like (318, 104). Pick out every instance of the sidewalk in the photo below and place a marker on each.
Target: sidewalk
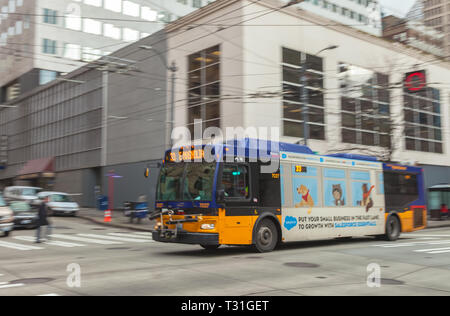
(438, 223)
(118, 220)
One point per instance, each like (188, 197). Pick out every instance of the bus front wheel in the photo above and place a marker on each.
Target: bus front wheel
(266, 238)
(393, 228)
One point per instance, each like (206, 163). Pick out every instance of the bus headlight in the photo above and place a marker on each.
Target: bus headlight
(208, 226)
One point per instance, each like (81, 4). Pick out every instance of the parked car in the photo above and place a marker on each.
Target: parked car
(21, 193)
(6, 218)
(25, 216)
(60, 203)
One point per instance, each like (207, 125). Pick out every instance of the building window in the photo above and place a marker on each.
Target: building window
(46, 76)
(48, 46)
(293, 118)
(50, 16)
(365, 106)
(423, 127)
(204, 88)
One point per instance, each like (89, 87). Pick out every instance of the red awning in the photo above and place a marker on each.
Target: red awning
(43, 165)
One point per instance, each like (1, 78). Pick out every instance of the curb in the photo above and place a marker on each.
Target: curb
(439, 226)
(100, 222)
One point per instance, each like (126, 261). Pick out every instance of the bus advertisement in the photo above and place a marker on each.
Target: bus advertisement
(232, 199)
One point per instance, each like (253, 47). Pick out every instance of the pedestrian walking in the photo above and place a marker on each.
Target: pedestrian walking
(43, 221)
(444, 211)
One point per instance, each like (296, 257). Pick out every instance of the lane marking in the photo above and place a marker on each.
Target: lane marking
(113, 238)
(51, 294)
(18, 246)
(431, 250)
(412, 244)
(126, 235)
(11, 285)
(86, 240)
(143, 233)
(420, 235)
(50, 242)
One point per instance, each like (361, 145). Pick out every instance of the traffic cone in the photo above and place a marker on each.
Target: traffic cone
(108, 216)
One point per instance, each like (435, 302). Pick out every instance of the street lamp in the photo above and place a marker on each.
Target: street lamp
(304, 95)
(173, 69)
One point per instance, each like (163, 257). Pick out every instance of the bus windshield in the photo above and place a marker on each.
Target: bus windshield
(186, 182)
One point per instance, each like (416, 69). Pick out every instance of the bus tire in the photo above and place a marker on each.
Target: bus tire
(210, 247)
(266, 236)
(393, 228)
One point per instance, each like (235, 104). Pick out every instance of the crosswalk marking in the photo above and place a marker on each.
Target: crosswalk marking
(131, 236)
(113, 238)
(78, 240)
(11, 285)
(143, 233)
(412, 244)
(434, 251)
(87, 240)
(18, 246)
(50, 242)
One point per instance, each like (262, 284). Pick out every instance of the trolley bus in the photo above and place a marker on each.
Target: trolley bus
(230, 201)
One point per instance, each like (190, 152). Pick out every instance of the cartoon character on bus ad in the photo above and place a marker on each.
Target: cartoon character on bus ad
(338, 195)
(367, 198)
(306, 198)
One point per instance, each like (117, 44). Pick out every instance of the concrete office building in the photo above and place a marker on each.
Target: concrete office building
(437, 15)
(245, 74)
(69, 135)
(414, 33)
(355, 100)
(364, 15)
(40, 39)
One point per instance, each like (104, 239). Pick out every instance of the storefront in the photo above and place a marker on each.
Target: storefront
(37, 173)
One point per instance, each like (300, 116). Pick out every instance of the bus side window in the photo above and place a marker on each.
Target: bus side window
(235, 181)
(269, 189)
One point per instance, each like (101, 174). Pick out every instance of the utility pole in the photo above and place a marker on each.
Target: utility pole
(173, 68)
(304, 99)
(105, 76)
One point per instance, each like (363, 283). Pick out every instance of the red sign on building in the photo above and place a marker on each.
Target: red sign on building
(415, 81)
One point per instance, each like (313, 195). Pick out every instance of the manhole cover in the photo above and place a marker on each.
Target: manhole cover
(98, 228)
(301, 265)
(391, 282)
(31, 281)
(118, 248)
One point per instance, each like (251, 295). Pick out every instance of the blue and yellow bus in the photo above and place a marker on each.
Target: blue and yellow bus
(215, 195)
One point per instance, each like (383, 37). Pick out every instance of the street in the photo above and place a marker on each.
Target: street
(114, 261)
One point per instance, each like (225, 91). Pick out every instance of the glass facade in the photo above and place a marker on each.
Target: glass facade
(423, 129)
(365, 106)
(204, 88)
(293, 119)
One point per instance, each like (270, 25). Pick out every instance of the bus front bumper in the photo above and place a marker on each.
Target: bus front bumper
(187, 238)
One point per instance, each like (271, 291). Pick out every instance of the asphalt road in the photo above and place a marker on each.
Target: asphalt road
(118, 262)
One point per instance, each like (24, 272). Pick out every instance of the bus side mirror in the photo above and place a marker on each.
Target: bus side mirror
(220, 196)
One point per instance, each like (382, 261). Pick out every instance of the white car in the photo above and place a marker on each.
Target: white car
(6, 218)
(20, 193)
(60, 203)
